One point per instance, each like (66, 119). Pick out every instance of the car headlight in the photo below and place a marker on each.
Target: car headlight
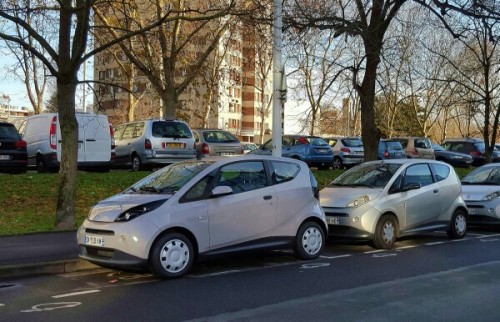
(456, 157)
(137, 211)
(492, 196)
(359, 201)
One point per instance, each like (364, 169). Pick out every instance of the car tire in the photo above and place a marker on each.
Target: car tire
(337, 163)
(386, 232)
(136, 163)
(172, 256)
(458, 225)
(309, 241)
(40, 165)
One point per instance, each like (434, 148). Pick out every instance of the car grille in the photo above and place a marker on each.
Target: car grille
(336, 214)
(100, 232)
(474, 206)
(99, 252)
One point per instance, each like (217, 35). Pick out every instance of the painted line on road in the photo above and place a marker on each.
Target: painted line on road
(86, 273)
(460, 240)
(75, 294)
(375, 251)
(434, 243)
(333, 257)
(218, 273)
(487, 236)
(488, 240)
(406, 247)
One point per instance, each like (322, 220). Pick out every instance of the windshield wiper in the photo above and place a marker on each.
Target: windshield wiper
(150, 189)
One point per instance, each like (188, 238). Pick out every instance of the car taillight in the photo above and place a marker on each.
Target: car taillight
(386, 154)
(147, 144)
(21, 144)
(112, 134)
(415, 152)
(346, 150)
(475, 153)
(205, 149)
(53, 133)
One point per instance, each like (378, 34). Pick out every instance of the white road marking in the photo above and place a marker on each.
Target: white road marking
(314, 265)
(75, 294)
(434, 243)
(488, 240)
(460, 240)
(218, 273)
(1, 304)
(384, 255)
(51, 306)
(405, 247)
(339, 256)
(375, 251)
(86, 273)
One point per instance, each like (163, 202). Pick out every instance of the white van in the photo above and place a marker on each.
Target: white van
(42, 134)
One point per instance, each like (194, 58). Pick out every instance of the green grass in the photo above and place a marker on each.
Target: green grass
(28, 201)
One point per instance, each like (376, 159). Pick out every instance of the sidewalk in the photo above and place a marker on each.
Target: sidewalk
(43, 253)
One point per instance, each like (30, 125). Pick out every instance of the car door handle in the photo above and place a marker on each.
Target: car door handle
(435, 190)
(268, 197)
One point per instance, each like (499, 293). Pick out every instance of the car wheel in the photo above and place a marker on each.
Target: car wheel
(458, 225)
(337, 163)
(385, 232)
(309, 241)
(136, 163)
(172, 256)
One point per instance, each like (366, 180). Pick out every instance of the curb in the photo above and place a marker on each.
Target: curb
(45, 268)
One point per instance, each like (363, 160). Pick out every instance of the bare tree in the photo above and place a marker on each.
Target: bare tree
(370, 20)
(64, 39)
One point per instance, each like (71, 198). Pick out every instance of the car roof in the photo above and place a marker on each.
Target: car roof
(463, 140)
(408, 161)
(247, 157)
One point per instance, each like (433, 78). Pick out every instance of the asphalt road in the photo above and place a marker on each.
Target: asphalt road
(428, 278)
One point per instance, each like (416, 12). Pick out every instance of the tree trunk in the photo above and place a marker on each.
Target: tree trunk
(65, 214)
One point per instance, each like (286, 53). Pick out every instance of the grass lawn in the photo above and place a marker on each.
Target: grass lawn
(28, 201)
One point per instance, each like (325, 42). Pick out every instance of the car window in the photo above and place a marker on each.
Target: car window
(367, 175)
(332, 142)
(418, 173)
(138, 130)
(394, 145)
(165, 129)
(219, 137)
(243, 176)
(118, 132)
(283, 171)
(403, 142)
(352, 142)
(198, 191)
(441, 171)
(128, 133)
(422, 143)
(317, 141)
(8, 131)
(268, 145)
(479, 146)
(285, 141)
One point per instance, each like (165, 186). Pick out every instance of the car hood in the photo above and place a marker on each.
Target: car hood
(339, 197)
(477, 193)
(109, 209)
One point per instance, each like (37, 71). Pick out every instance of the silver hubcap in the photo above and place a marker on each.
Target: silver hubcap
(174, 256)
(336, 163)
(135, 164)
(460, 224)
(388, 232)
(312, 241)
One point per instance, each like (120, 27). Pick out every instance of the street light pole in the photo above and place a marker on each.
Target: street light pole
(278, 75)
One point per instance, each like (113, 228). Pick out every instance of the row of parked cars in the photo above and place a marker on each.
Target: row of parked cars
(255, 202)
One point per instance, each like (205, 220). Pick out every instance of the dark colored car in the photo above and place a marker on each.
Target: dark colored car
(473, 147)
(313, 150)
(13, 154)
(390, 149)
(456, 159)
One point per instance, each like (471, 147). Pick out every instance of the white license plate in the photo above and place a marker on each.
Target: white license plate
(5, 157)
(332, 220)
(94, 241)
(471, 211)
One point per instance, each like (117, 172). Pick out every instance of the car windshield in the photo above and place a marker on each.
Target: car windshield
(316, 141)
(219, 136)
(164, 129)
(352, 142)
(483, 176)
(367, 175)
(169, 179)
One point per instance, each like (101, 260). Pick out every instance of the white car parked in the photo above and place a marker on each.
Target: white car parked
(383, 200)
(193, 209)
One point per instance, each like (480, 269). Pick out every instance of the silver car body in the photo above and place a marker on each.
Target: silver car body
(481, 192)
(268, 216)
(417, 147)
(215, 142)
(422, 208)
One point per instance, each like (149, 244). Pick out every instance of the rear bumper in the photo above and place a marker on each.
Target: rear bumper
(162, 158)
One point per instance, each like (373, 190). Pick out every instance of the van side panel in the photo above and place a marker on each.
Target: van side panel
(94, 139)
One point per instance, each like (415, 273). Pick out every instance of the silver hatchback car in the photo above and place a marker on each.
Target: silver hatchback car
(383, 200)
(194, 209)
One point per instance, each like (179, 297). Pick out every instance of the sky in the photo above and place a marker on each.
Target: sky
(10, 85)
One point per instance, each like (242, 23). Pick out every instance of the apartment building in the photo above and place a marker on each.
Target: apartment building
(232, 91)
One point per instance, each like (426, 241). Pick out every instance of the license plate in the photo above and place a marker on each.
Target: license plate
(471, 211)
(332, 220)
(94, 240)
(5, 157)
(173, 145)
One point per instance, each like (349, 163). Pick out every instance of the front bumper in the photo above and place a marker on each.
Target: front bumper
(483, 212)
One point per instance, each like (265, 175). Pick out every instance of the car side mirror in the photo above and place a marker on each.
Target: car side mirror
(410, 186)
(220, 191)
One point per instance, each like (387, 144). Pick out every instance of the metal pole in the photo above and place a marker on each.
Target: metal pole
(277, 78)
